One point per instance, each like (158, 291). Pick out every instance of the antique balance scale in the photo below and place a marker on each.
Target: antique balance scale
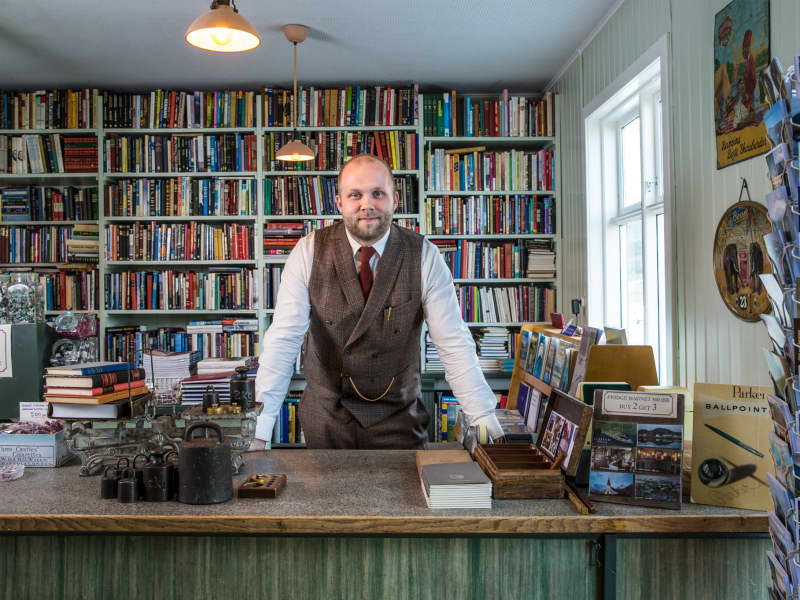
(159, 422)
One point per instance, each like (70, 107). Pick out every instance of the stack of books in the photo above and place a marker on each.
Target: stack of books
(84, 244)
(541, 259)
(193, 388)
(170, 365)
(281, 237)
(15, 204)
(492, 344)
(220, 365)
(450, 479)
(432, 360)
(93, 390)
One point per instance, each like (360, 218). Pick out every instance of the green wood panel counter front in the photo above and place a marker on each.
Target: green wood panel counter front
(354, 524)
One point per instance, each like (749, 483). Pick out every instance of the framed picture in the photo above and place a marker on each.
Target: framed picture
(741, 51)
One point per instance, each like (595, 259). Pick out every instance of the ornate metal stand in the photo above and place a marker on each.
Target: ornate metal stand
(160, 428)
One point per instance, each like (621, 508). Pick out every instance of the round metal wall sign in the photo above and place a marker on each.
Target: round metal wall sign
(740, 256)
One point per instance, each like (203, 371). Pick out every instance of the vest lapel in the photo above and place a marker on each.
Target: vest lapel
(388, 268)
(346, 269)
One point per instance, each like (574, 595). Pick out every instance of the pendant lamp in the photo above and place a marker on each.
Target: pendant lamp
(295, 151)
(222, 29)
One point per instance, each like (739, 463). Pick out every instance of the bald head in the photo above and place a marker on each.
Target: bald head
(361, 159)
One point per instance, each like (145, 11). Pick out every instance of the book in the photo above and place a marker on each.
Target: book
(731, 447)
(98, 391)
(93, 381)
(104, 399)
(110, 410)
(549, 359)
(435, 457)
(456, 485)
(93, 368)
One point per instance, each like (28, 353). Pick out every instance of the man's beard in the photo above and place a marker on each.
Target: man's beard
(368, 232)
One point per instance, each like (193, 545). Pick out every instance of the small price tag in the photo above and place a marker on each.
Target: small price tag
(33, 412)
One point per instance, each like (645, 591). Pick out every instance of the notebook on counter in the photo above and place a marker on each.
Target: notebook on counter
(456, 485)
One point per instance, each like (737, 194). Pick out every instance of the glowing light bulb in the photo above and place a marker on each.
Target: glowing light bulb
(221, 36)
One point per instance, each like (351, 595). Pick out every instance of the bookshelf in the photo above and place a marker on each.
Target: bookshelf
(475, 193)
(255, 124)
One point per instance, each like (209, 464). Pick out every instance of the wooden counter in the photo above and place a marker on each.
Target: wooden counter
(335, 492)
(353, 524)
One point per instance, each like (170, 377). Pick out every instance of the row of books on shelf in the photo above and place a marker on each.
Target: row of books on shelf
(141, 241)
(287, 428)
(181, 197)
(42, 109)
(69, 290)
(34, 243)
(482, 215)
(468, 259)
(477, 169)
(447, 409)
(53, 153)
(450, 114)
(495, 347)
(550, 359)
(342, 107)
(400, 150)
(182, 109)
(280, 237)
(215, 289)
(316, 195)
(129, 343)
(505, 304)
(48, 203)
(179, 153)
(272, 283)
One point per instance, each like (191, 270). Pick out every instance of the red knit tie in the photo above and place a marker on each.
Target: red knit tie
(365, 271)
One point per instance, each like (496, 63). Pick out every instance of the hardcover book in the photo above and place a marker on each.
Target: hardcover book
(731, 447)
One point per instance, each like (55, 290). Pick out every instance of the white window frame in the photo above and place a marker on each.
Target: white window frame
(636, 92)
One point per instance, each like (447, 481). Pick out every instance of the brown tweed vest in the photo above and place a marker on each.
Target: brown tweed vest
(365, 356)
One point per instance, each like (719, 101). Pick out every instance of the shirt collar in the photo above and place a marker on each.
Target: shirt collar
(379, 245)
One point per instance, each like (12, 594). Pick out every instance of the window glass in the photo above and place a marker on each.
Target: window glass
(632, 281)
(631, 163)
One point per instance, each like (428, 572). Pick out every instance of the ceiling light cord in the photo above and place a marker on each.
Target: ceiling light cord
(294, 77)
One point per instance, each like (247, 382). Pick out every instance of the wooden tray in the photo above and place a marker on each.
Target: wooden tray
(519, 471)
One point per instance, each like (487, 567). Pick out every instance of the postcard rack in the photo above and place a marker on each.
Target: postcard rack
(782, 244)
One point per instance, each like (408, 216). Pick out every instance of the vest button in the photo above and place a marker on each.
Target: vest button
(375, 355)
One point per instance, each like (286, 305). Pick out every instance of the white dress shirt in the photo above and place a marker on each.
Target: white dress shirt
(283, 339)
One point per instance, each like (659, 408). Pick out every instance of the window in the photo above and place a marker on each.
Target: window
(628, 226)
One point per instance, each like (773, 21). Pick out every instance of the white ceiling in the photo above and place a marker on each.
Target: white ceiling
(469, 45)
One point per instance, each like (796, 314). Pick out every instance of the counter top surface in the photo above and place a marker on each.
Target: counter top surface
(335, 492)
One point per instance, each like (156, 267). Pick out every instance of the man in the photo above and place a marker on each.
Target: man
(362, 288)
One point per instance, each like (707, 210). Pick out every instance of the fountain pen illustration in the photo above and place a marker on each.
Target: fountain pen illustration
(730, 438)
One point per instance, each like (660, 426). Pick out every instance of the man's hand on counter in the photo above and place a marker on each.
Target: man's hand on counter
(257, 445)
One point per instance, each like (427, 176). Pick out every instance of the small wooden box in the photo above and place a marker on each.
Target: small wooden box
(520, 471)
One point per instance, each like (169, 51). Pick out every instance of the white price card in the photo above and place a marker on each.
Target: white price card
(637, 404)
(5, 351)
(33, 412)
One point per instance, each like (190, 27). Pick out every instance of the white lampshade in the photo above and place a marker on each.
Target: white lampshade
(295, 151)
(221, 29)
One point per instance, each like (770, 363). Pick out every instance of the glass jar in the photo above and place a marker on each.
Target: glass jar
(21, 300)
(35, 283)
(5, 279)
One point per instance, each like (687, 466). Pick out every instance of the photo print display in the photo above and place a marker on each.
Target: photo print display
(637, 448)
(564, 427)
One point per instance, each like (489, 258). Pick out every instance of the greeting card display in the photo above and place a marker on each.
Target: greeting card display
(637, 448)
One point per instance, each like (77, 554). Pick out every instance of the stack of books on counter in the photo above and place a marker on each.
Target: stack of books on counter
(451, 479)
(220, 365)
(170, 365)
(193, 388)
(101, 390)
